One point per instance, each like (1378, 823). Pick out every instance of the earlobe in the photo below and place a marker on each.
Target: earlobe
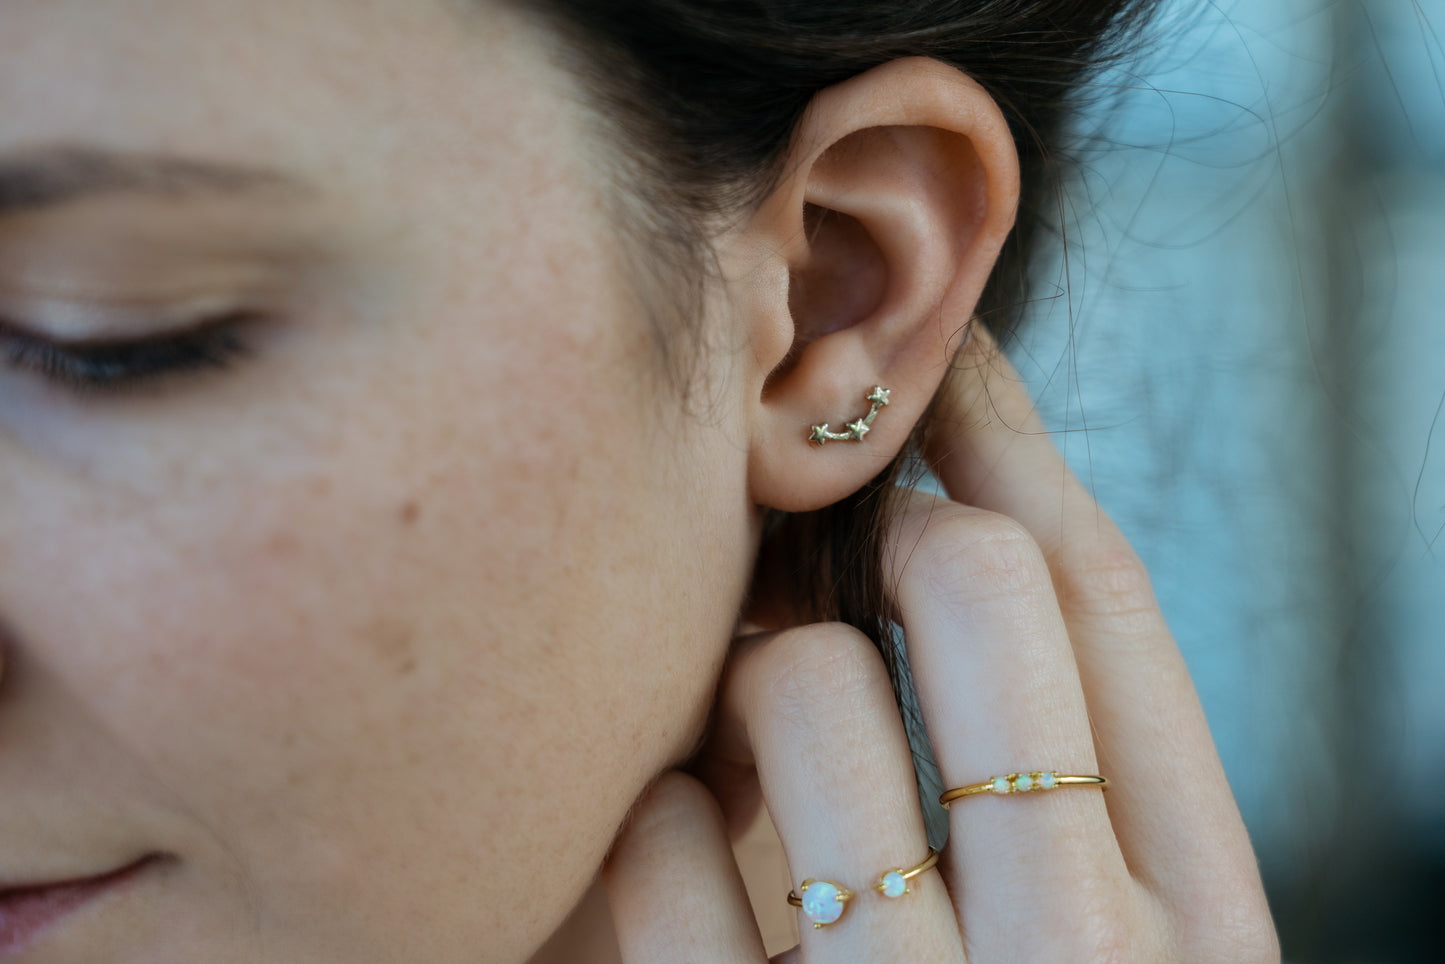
(902, 187)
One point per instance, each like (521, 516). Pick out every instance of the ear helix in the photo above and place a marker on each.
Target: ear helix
(857, 428)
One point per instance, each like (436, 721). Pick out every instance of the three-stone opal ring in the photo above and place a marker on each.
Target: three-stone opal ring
(1023, 783)
(823, 901)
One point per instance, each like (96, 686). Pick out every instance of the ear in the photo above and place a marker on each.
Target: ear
(862, 269)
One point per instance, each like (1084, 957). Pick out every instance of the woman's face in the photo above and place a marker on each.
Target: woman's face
(369, 612)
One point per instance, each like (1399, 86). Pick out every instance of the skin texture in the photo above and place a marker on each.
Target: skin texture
(384, 635)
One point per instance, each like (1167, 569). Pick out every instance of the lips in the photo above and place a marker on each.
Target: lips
(28, 911)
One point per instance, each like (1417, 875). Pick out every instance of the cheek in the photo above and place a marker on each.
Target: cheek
(402, 650)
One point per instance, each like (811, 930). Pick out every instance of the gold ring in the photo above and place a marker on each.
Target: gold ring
(824, 901)
(894, 883)
(1023, 783)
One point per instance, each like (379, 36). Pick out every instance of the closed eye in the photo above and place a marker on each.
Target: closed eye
(115, 365)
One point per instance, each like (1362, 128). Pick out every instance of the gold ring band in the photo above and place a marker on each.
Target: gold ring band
(1023, 783)
(826, 900)
(894, 883)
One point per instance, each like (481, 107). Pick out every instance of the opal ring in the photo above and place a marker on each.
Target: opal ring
(1023, 783)
(894, 883)
(823, 901)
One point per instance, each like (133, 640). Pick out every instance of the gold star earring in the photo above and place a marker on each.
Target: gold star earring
(858, 427)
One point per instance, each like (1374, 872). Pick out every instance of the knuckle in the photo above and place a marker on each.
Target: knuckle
(671, 807)
(676, 794)
(823, 665)
(1257, 945)
(1108, 919)
(1092, 918)
(1109, 941)
(1103, 930)
(1105, 578)
(1238, 929)
(968, 554)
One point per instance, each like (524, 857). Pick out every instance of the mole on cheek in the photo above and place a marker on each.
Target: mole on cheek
(409, 512)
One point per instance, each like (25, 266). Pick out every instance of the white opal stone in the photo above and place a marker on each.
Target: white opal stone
(1047, 781)
(1000, 784)
(1023, 782)
(894, 885)
(821, 904)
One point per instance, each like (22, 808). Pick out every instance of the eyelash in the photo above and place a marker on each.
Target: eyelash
(211, 345)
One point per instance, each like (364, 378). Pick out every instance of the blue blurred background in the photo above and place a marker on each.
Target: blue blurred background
(1246, 360)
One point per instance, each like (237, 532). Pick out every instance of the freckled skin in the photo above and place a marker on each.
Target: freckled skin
(365, 631)
(409, 513)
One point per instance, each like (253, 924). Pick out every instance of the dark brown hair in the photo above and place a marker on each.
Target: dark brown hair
(698, 100)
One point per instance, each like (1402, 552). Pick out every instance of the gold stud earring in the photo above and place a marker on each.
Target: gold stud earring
(858, 427)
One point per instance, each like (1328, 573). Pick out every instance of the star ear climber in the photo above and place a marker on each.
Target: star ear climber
(857, 428)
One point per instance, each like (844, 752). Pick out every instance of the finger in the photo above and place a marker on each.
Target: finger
(1176, 820)
(813, 710)
(674, 889)
(1033, 875)
(991, 450)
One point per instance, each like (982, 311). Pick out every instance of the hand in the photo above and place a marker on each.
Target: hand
(1036, 645)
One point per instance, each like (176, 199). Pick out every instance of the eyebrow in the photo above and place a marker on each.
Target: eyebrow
(36, 179)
